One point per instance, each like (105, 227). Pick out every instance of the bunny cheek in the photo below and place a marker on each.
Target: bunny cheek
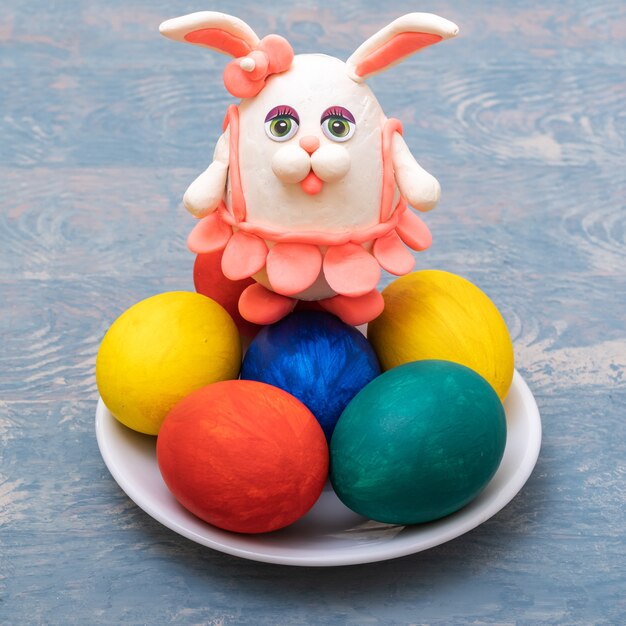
(291, 164)
(331, 163)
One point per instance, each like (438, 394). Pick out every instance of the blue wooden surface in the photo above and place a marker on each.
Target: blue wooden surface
(103, 124)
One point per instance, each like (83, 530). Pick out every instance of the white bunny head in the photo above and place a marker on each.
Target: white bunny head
(308, 157)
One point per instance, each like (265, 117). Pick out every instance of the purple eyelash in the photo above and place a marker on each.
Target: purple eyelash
(281, 110)
(337, 111)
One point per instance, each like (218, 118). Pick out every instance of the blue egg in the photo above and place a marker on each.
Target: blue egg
(315, 357)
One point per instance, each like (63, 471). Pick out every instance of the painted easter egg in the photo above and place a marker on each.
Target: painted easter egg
(418, 443)
(317, 358)
(243, 456)
(437, 315)
(159, 351)
(210, 281)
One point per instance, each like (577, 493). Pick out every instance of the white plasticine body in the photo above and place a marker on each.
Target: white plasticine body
(313, 84)
(347, 203)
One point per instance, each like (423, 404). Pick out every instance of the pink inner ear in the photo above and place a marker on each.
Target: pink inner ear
(395, 49)
(219, 40)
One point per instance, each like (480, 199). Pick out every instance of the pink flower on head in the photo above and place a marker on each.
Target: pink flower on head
(246, 76)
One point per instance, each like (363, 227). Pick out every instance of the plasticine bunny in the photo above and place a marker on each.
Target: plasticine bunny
(309, 184)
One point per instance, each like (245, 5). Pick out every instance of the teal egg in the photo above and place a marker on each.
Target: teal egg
(417, 443)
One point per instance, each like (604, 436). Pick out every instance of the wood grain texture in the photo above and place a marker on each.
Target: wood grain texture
(103, 124)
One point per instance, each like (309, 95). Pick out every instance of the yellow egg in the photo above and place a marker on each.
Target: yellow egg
(437, 315)
(159, 351)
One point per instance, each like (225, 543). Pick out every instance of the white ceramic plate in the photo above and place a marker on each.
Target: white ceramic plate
(330, 534)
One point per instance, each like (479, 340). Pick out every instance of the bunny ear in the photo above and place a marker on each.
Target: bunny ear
(398, 40)
(217, 31)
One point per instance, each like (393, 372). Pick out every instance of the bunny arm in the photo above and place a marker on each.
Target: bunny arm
(420, 188)
(204, 195)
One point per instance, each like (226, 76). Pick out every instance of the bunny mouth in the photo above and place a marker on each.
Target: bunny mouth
(293, 165)
(312, 184)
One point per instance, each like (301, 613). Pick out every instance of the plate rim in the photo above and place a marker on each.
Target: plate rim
(325, 559)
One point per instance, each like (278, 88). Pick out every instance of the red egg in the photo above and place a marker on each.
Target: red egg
(243, 456)
(209, 280)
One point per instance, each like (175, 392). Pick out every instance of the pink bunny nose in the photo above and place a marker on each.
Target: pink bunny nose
(310, 143)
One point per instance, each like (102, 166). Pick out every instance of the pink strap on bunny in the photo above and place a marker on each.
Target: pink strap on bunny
(231, 121)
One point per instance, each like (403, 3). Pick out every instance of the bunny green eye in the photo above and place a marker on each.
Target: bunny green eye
(338, 124)
(336, 127)
(281, 123)
(280, 127)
